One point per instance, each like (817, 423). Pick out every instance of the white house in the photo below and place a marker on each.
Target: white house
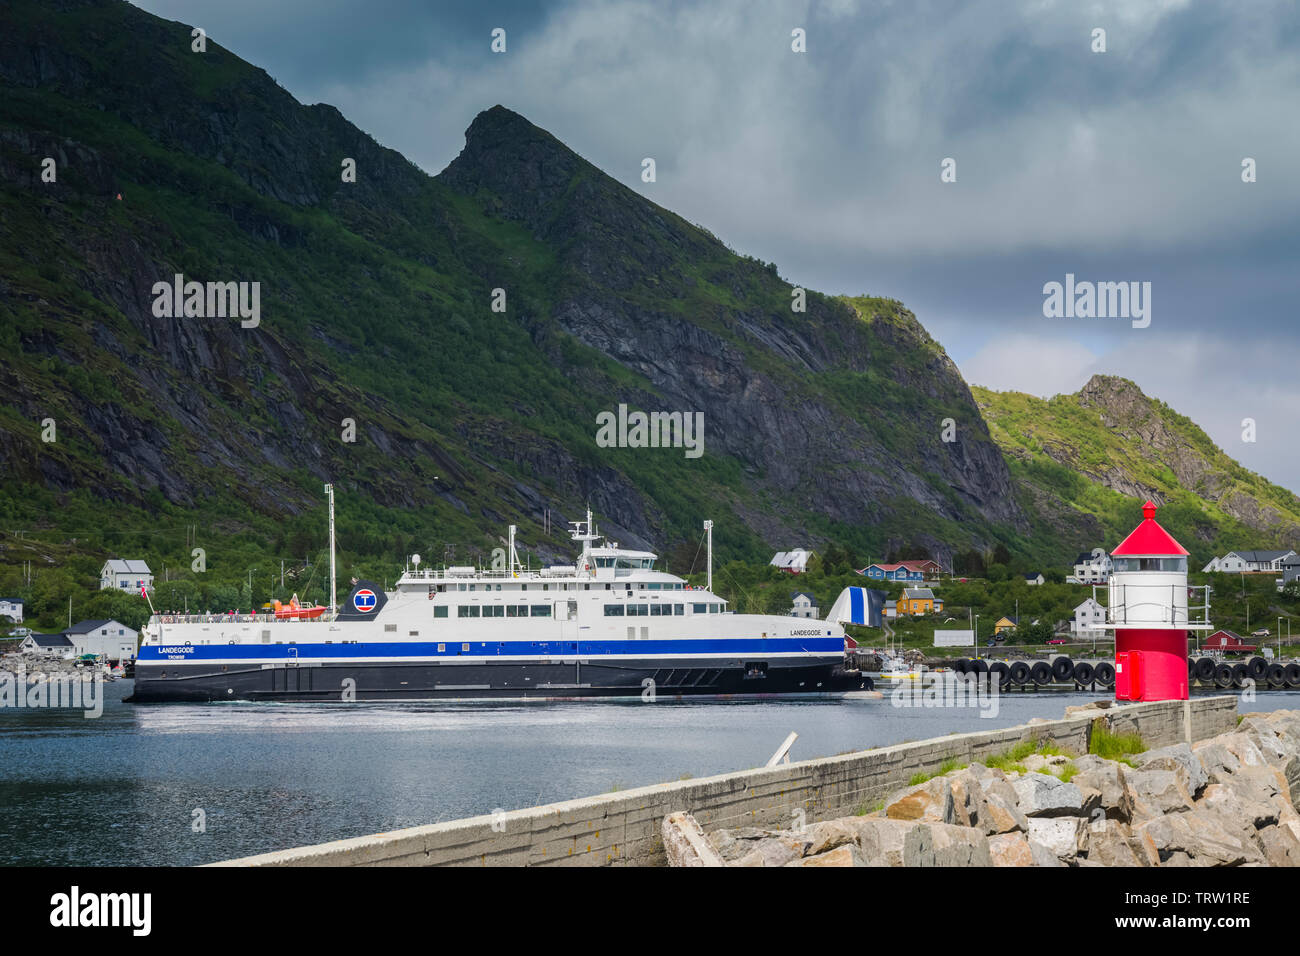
(125, 575)
(1088, 620)
(805, 605)
(12, 608)
(1091, 568)
(1250, 562)
(46, 645)
(796, 561)
(1034, 578)
(110, 639)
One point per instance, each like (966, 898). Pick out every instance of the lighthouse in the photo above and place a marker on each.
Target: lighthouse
(1148, 608)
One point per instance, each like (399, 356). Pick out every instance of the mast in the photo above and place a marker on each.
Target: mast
(708, 531)
(329, 491)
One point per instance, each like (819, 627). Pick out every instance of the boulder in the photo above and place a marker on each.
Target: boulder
(1174, 757)
(774, 847)
(1197, 838)
(830, 834)
(1042, 795)
(1157, 792)
(881, 840)
(1111, 843)
(931, 801)
(941, 844)
(1002, 816)
(1062, 835)
(1043, 856)
(840, 856)
(1107, 778)
(1232, 805)
(967, 798)
(1010, 849)
(1280, 846)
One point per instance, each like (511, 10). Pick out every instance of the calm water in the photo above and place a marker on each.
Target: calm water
(121, 789)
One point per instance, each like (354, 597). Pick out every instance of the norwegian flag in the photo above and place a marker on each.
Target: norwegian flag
(143, 593)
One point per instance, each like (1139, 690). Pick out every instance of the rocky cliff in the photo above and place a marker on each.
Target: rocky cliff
(376, 310)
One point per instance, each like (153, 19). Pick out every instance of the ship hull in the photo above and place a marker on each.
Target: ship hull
(530, 680)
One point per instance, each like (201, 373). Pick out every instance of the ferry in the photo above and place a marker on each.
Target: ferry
(609, 625)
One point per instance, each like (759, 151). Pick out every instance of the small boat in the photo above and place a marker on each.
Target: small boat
(293, 611)
(894, 668)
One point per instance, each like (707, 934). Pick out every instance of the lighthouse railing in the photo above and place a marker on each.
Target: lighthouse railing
(1172, 610)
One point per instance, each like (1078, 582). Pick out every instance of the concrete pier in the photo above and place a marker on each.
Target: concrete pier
(624, 828)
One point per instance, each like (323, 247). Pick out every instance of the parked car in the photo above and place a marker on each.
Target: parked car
(1262, 632)
(1055, 640)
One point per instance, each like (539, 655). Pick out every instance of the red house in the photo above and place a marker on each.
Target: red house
(1224, 640)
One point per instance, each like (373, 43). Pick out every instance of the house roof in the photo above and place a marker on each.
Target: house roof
(127, 566)
(1259, 556)
(811, 600)
(85, 627)
(12, 600)
(1149, 538)
(1033, 574)
(1007, 617)
(49, 640)
(918, 593)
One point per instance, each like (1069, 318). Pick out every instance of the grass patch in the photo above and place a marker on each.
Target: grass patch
(863, 810)
(1010, 761)
(948, 766)
(1113, 746)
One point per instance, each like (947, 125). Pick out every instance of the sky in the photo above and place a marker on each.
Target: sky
(1117, 166)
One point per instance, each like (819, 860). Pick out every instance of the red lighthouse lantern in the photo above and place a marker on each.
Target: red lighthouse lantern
(1148, 609)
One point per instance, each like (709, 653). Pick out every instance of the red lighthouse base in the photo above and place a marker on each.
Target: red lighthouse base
(1150, 664)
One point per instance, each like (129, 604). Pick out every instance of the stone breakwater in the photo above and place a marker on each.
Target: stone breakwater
(1230, 800)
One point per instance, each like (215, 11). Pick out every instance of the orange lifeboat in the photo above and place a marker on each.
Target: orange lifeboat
(293, 611)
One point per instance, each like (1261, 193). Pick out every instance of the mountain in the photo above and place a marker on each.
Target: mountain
(1088, 458)
(376, 313)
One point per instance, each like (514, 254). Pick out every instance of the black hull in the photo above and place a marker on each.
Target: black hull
(343, 682)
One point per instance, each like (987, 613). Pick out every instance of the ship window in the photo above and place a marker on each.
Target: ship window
(699, 608)
(390, 627)
(657, 610)
(442, 648)
(464, 648)
(467, 610)
(471, 587)
(613, 610)
(679, 608)
(638, 610)
(495, 610)
(412, 633)
(541, 610)
(440, 611)
(516, 610)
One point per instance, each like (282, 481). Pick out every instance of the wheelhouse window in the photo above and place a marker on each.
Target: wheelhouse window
(467, 610)
(516, 610)
(613, 610)
(440, 611)
(541, 610)
(494, 610)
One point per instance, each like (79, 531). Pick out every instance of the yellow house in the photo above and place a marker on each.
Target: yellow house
(1004, 624)
(919, 601)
